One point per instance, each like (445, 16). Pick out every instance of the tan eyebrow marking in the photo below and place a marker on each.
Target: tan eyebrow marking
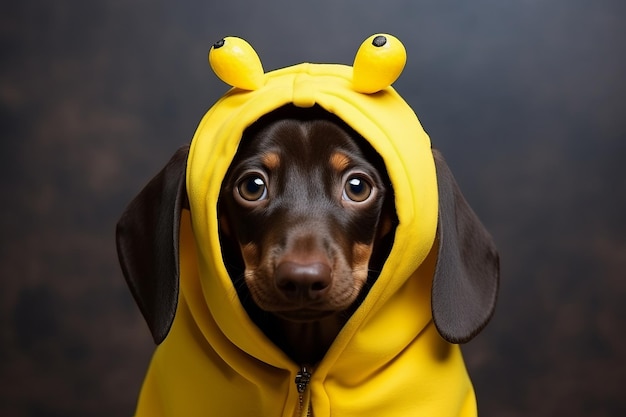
(271, 160)
(339, 161)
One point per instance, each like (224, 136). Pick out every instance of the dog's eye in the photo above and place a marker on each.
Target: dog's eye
(357, 189)
(252, 188)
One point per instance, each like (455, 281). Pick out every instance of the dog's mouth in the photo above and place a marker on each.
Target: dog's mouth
(300, 306)
(304, 315)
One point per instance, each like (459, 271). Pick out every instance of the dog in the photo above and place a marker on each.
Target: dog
(309, 252)
(305, 231)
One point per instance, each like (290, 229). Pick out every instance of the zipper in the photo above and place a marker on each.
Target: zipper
(303, 377)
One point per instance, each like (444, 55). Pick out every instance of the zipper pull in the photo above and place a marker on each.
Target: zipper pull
(302, 379)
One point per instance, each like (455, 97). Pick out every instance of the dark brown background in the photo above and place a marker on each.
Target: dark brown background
(526, 98)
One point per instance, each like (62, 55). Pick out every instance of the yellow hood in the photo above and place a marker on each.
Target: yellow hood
(389, 359)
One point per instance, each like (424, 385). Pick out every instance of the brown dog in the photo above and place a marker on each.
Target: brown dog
(284, 269)
(302, 226)
(307, 219)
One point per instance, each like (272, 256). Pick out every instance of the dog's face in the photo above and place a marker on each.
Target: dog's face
(307, 219)
(303, 203)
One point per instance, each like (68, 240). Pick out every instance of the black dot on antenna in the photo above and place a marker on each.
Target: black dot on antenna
(379, 41)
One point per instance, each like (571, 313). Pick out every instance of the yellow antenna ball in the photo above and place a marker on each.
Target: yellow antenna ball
(378, 63)
(236, 63)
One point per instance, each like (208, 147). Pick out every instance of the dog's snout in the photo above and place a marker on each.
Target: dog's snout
(303, 281)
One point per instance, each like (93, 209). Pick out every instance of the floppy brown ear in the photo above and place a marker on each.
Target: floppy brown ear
(147, 244)
(467, 274)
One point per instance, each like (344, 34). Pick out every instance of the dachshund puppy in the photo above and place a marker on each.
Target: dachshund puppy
(305, 204)
(306, 219)
(286, 268)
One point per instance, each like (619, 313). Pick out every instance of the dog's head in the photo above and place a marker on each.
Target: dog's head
(302, 204)
(258, 179)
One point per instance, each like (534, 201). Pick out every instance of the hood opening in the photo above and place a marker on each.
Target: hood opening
(231, 252)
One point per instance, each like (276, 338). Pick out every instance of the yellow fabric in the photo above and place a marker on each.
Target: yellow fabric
(388, 360)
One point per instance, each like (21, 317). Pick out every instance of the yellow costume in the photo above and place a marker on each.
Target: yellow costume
(390, 359)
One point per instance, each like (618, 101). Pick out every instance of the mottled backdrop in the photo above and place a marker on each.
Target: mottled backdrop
(526, 98)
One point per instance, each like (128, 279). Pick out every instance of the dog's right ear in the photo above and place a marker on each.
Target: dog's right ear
(147, 244)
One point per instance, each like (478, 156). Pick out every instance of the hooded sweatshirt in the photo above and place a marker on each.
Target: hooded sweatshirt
(388, 360)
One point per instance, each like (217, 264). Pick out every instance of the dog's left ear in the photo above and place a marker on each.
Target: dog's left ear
(147, 244)
(467, 274)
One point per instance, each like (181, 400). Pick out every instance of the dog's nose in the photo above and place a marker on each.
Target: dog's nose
(303, 281)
